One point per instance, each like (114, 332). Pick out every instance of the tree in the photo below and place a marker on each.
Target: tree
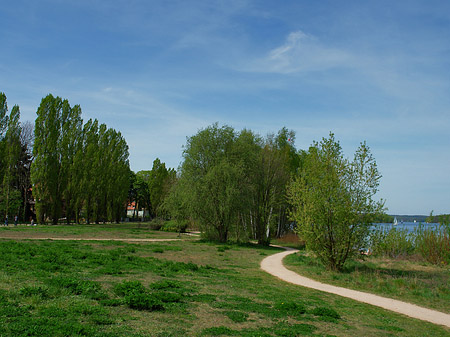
(156, 184)
(11, 194)
(50, 169)
(24, 166)
(332, 200)
(212, 181)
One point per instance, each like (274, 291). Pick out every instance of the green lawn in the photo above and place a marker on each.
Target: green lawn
(182, 288)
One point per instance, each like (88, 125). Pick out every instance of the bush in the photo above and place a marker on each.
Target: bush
(156, 224)
(178, 226)
(392, 242)
(434, 244)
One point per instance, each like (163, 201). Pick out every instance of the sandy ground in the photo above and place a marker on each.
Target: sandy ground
(274, 265)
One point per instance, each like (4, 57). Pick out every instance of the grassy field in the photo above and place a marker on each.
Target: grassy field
(177, 288)
(413, 281)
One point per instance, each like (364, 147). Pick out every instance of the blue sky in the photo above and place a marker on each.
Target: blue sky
(158, 71)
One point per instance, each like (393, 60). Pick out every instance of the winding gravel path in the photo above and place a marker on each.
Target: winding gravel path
(274, 265)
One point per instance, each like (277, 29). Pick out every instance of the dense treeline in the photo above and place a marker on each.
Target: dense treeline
(73, 170)
(16, 141)
(232, 184)
(78, 170)
(241, 186)
(149, 189)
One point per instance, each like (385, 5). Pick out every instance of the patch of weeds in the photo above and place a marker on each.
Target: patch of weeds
(325, 312)
(203, 298)
(90, 289)
(390, 328)
(172, 332)
(219, 331)
(114, 302)
(291, 308)
(158, 250)
(53, 311)
(30, 291)
(166, 284)
(168, 267)
(236, 316)
(143, 301)
(223, 248)
(136, 296)
(128, 287)
(288, 330)
(168, 297)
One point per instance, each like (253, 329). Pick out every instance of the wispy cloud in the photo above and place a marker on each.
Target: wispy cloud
(300, 53)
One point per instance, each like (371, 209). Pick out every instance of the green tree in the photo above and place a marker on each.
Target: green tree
(57, 129)
(332, 200)
(270, 179)
(11, 198)
(142, 191)
(212, 180)
(89, 175)
(156, 184)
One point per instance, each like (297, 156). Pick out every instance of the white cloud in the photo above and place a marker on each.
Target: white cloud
(300, 53)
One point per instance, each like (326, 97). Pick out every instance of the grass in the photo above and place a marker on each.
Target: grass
(100, 231)
(410, 280)
(182, 288)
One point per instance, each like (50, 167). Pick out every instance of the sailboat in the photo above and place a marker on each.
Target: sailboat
(395, 223)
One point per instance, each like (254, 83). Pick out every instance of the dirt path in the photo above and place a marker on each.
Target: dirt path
(274, 265)
(90, 239)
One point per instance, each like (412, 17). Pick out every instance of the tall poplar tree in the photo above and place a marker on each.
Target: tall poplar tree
(57, 130)
(11, 193)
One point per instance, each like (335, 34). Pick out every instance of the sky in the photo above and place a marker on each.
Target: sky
(159, 71)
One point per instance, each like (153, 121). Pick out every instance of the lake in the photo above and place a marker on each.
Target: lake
(409, 226)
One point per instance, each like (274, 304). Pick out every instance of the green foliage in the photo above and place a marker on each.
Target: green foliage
(127, 287)
(143, 301)
(233, 184)
(77, 167)
(14, 163)
(392, 241)
(291, 308)
(326, 312)
(236, 316)
(156, 224)
(434, 244)
(332, 201)
(178, 226)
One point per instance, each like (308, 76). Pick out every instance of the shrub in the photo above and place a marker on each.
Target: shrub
(156, 224)
(178, 226)
(434, 244)
(392, 242)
